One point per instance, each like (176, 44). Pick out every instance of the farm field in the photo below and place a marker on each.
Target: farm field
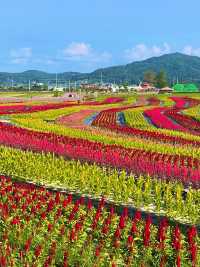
(114, 181)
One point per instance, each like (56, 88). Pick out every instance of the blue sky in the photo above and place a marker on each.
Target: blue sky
(82, 35)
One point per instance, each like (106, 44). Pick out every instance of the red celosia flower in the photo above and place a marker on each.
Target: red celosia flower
(50, 205)
(50, 227)
(105, 229)
(65, 264)
(62, 230)
(38, 250)
(27, 245)
(112, 210)
(89, 204)
(130, 240)
(3, 262)
(137, 216)
(192, 233)
(147, 231)
(15, 221)
(117, 233)
(65, 203)
(178, 261)
(57, 198)
(72, 235)
(176, 239)
(82, 200)
(97, 251)
(43, 215)
(122, 222)
(162, 233)
(125, 212)
(134, 229)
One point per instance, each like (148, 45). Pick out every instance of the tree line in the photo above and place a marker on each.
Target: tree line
(159, 79)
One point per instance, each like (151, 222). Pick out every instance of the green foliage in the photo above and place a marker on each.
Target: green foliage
(150, 77)
(161, 79)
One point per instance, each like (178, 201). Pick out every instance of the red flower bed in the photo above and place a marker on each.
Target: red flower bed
(159, 118)
(112, 100)
(170, 118)
(184, 102)
(12, 109)
(107, 118)
(44, 228)
(153, 101)
(185, 169)
(188, 122)
(28, 109)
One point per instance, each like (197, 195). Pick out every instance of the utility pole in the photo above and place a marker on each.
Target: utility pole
(101, 78)
(69, 86)
(56, 80)
(75, 85)
(65, 86)
(29, 85)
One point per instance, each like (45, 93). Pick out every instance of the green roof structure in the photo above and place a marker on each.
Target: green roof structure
(189, 87)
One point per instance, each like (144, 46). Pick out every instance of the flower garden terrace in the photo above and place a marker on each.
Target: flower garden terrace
(142, 154)
(171, 164)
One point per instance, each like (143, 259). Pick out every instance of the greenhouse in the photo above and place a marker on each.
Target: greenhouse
(189, 87)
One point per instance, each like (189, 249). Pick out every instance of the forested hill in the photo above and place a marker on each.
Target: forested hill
(177, 65)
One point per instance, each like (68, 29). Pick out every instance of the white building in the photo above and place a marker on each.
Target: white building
(58, 89)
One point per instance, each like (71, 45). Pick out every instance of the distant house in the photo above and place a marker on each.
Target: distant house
(89, 86)
(133, 87)
(100, 87)
(114, 88)
(165, 90)
(145, 87)
(58, 89)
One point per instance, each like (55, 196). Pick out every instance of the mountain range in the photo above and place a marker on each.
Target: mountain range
(177, 67)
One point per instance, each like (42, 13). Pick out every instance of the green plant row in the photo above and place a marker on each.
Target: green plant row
(194, 112)
(143, 192)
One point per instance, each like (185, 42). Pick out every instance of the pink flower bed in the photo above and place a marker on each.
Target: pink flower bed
(160, 120)
(75, 120)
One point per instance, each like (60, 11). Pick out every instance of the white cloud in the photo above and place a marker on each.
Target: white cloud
(191, 51)
(142, 51)
(83, 52)
(77, 50)
(21, 55)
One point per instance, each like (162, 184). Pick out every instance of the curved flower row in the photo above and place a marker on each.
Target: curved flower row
(76, 233)
(107, 119)
(159, 118)
(185, 169)
(169, 118)
(185, 121)
(21, 108)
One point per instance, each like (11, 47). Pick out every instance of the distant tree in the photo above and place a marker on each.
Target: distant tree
(150, 76)
(161, 79)
(125, 85)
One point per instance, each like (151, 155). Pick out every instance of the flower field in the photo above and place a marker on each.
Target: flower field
(109, 182)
